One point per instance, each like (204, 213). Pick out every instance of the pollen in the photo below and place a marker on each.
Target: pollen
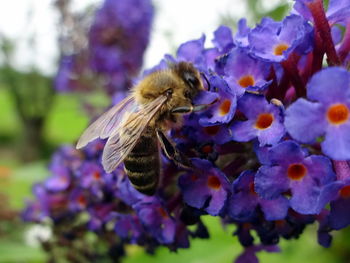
(224, 107)
(296, 171)
(214, 182)
(338, 114)
(345, 192)
(278, 49)
(264, 121)
(246, 81)
(212, 130)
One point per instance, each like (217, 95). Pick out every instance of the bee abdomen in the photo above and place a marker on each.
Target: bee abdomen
(142, 164)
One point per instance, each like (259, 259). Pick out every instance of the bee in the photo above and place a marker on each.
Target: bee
(136, 127)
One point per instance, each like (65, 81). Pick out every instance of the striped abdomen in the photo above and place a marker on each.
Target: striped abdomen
(142, 164)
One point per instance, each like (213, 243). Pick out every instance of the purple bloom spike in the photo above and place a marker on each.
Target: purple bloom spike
(119, 35)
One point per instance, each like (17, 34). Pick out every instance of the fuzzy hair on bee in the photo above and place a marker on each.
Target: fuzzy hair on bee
(136, 127)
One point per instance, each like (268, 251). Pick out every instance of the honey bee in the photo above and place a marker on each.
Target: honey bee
(137, 126)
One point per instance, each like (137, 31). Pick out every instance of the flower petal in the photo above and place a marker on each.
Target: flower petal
(305, 120)
(337, 142)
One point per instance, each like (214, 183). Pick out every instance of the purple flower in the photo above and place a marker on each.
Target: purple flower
(225, 107)
(218, 134)
(90, 174)
(125, 191)
(242, 72)
(241, 37)
(60, 179)
(323, 236)
(128, 227)
(264, 121)
(99, 215)
(192, 51)
(338, 193)
(33, 212)
(338, 10)
(328, 113)
(244, 201)
(94, 149)
(275, 41)
(205, 58)
(291, 169)
(223, 40)
(157, 220)
(65, 75)
(205, 188)
(79, 199)
(37, 210)
(118, 38)
(248, 255)
(195, 134)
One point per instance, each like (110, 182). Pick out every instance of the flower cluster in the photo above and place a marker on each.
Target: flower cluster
(269, 156)
(118, 38)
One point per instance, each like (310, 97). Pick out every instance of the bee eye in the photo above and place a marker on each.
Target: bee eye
(191, 80)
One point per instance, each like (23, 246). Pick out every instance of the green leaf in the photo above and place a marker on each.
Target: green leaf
(279, 12)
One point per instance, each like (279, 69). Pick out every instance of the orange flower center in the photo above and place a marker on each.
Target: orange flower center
(296, 171)
(82, 200)
(278, 49)
(194, 177)
(264, 121)
(214, 182)
(246, 81)
(345, 192)
(224, 107)
(252, 188)
(338, 114)
(96, 175)
(207, 149)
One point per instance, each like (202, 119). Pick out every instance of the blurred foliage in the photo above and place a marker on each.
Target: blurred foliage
(32, 94)
(256, 11)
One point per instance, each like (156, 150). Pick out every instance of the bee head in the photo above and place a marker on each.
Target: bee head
(191, 77)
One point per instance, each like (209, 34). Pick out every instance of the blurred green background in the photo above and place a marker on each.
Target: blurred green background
(34, 121)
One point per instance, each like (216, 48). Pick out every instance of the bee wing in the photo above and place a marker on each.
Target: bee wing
(123, 140)
(107, 122)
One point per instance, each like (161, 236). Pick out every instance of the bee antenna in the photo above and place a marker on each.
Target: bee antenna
(206, 80)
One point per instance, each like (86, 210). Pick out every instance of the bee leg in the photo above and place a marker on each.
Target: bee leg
(171, 152)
